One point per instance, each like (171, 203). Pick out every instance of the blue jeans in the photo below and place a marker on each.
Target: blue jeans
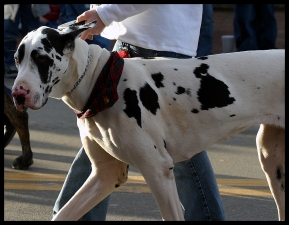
(205, 43)
(69, 12)
(11, 30)
(255, 27)
(195, 179)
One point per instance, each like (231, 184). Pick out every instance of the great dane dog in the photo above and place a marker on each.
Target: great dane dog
(158, 112)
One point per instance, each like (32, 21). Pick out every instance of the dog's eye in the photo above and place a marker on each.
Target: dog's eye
(41, 58)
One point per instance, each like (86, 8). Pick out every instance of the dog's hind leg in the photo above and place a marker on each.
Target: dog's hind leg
(271, 151)
(107, 174)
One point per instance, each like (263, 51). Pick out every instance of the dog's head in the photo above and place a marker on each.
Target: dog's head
(42, 59)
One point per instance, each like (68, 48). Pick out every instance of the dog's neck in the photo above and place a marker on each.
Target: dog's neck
(83, 85)
(81, 77)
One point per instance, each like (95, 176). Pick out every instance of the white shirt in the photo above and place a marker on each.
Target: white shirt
(161, 27)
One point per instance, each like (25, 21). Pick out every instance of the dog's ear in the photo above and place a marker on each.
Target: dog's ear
(80, 48)
(76, 29)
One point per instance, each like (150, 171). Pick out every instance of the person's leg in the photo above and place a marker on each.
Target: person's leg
(198, 190)
(28, 21)
(206, 33)
(62, 14)
(74, 10)
(267, 26)
(11, 34)
(77, 175)
(196, 183)
(245, 27)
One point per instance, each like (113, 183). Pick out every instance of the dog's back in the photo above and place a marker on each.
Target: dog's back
(219, 94)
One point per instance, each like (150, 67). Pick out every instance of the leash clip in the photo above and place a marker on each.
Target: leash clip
(123, 52)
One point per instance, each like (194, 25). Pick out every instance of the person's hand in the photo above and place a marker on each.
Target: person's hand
(89, 16)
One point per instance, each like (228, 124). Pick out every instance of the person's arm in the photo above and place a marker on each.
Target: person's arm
(119, 12)
(105, 14)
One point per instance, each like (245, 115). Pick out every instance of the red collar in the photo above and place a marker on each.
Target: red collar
(104, 93)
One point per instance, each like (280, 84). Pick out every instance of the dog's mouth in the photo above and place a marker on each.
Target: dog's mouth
(20, 99)
(19, 103)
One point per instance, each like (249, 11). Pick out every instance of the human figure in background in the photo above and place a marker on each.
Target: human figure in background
(51, 19)
(69, 12)
(15, 14)
(205, 44)
(171, 31)
(255, 27)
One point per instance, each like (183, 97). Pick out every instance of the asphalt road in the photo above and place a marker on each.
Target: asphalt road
(30, 194)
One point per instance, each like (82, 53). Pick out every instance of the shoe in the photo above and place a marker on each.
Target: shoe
(11, 71)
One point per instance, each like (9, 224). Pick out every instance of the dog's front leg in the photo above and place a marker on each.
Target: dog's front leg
(271, 152)
(107, 174)
(20, 121)
(158, 173)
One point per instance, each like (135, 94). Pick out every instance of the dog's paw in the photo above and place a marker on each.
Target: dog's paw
(21, 163)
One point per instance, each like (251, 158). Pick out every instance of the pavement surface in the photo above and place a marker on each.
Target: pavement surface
(30, 195)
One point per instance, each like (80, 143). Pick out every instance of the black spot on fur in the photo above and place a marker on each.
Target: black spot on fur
(171, 168)
(232, 115)
(155, 147)
(58, 41)
(195, 111)
(180, 90)
(55, 82)
(202, 57)
(47, 46)
(124, 79)
(174, 99)
(117, 185)
(42, 65)
(58, 58)
(132, 109)
(213, 92)
(165, 144)
(47, 89)
(176, 69)
(278, 173)
(188, 92)
(158, 78)
(21, 52)
(149, 98)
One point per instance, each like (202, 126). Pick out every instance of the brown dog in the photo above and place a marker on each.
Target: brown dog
(20, 121)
